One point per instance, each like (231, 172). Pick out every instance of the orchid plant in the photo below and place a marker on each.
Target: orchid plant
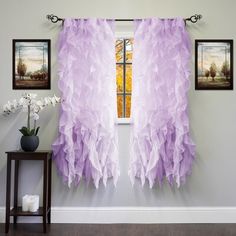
(28, 103)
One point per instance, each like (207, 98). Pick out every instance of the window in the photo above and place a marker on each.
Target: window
(124, 53)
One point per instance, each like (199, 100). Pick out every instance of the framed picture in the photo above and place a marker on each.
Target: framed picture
(213, 64)
(31, 64)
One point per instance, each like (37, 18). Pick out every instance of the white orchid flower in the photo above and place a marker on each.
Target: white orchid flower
(35, 109)
(21, 101)
(57, 99)
(40, 104)
(15, 104)
(33, 95)
(30, 95)
(47, 101)
(6, 108)
(53, 101)
(35, 116)
(24, 101)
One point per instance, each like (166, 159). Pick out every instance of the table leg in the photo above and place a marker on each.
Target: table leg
(49, 189)
(45, 192)
(16, 187)
(8, 195)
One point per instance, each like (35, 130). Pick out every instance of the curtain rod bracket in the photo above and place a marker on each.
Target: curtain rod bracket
(53, 18)
(194, 18)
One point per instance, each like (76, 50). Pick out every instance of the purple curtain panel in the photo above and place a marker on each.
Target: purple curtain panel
(87, 143)
(161, 146)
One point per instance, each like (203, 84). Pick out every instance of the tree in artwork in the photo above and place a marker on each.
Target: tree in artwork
(225, 70)
(213, 70)
(207, 73)
(21, 68)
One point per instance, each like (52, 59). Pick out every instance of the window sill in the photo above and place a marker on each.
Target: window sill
(123, 121)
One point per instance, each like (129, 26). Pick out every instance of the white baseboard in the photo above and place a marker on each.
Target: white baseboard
(146, 215)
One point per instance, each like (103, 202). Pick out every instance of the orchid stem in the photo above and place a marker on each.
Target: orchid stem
(28, 121)
(34, 124)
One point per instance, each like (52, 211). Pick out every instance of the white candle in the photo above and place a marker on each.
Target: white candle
(25, 203)
(30, 203)
(33, 203)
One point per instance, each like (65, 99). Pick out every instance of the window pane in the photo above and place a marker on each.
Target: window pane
(119, 50)
(129, 50)
(119, 78)
(120, 106)
(128, 79)
(127, 105)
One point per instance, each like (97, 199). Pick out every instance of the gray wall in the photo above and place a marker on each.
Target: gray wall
(212, 113)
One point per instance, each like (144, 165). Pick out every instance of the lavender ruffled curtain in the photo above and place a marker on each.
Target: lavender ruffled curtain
(87, 142)
(160, 143)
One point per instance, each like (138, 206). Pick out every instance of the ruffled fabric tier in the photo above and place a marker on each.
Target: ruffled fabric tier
(161, 146)
(87, 143)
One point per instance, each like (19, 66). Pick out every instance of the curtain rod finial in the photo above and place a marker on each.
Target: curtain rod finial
(199, 16)
(53, 18)
(195, 18)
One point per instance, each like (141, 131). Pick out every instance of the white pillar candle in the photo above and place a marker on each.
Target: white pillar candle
(30, 203)
(25, 203)
(33, 203)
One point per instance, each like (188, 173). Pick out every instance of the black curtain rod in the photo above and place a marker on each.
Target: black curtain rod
(192, 19)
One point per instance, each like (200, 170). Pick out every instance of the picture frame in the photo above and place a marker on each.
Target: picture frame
(214, 64)
(31, 64)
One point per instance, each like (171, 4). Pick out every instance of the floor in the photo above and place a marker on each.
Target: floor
(123, 230)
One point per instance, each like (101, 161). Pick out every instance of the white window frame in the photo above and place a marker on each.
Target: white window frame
(124, 121)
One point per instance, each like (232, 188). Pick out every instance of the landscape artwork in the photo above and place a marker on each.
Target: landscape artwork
(214, 64)
(31, 64)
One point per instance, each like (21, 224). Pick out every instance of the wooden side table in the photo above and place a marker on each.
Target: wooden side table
(45, 210)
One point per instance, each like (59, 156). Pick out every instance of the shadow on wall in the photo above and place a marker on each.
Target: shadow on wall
(84, 192)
